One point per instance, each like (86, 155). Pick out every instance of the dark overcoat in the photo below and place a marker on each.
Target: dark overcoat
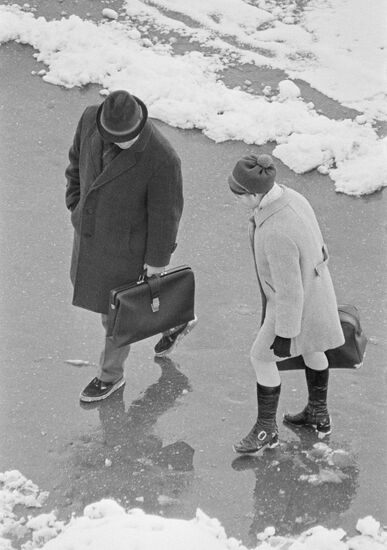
(124, 215)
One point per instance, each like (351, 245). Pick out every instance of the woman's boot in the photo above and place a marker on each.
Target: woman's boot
(315, 414)
(265, 431)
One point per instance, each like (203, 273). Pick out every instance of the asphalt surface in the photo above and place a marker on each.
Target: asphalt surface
(169, 432)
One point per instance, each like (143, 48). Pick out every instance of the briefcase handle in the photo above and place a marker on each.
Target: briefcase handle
(154, 285)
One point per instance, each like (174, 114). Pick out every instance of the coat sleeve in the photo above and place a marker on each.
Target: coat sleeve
(164, 209)
(72, 171)
(284, 262)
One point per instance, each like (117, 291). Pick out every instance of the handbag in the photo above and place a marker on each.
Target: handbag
(151, 305)
(348, 356)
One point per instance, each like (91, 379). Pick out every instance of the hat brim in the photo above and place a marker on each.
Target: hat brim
(121, 138)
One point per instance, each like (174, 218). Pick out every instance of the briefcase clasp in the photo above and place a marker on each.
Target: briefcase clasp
(155, 304)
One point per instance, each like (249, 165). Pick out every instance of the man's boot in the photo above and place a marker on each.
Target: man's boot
(265, 430)
(315, 414)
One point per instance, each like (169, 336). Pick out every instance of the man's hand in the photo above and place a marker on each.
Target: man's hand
(151, 270)
(281, 346)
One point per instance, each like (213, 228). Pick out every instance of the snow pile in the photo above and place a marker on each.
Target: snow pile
(109, 13)
(350, 42)
(234, 25)
(17, 490)
(337, 46)
(234, 17)
(288, 90)
(186, 91)
(105, 524)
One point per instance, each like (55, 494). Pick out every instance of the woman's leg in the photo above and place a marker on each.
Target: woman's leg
(315, 414)
(316, 361)
(266, 372)
(265, 431)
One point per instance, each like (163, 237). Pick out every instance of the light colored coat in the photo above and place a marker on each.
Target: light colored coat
(299, 301)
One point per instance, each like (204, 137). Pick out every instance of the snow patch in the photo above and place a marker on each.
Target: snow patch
(109, 13)
(187, 91)
(106, 524)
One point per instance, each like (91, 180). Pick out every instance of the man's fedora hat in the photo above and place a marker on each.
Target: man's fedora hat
(121, 117)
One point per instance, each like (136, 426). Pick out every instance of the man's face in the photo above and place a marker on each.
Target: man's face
(127, 144)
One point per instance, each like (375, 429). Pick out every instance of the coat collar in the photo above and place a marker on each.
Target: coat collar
(123, 162)
(261, 215)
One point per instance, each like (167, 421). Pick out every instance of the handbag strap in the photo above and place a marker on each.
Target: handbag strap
(154, 286)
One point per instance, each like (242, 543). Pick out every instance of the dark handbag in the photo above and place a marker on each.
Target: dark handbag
(151, 305)
(348, 356)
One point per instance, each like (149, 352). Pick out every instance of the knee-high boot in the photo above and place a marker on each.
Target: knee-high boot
(265, 431)
(315, 414)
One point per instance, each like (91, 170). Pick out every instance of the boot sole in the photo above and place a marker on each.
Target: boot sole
(320, 433)
(87, 399)
(254, 453)
(187, 330)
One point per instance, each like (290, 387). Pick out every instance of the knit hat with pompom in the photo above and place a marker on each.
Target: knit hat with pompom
(252, 174)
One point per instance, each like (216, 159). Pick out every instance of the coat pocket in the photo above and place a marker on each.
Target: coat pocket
(323, 264)
(270, 286)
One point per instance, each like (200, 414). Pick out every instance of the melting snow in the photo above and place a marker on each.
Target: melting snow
(187, 90)
(106, 524)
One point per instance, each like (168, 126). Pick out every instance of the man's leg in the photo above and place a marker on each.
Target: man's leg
(172, 337)
(112, 359)
(111, 371)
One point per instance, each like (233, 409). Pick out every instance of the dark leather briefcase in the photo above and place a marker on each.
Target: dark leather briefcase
(151, 305)
(348, 356)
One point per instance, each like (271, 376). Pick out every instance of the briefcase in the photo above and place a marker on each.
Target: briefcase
(151, 305)
(348, 356)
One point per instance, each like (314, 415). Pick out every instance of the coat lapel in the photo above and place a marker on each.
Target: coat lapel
(124, 161)
(262, 215)
(95, 152)
(256, 221)
(252, 228)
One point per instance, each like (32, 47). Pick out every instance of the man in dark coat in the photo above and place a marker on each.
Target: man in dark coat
(124, 191)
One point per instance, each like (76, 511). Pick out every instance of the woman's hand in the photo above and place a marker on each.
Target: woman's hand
(281, 346)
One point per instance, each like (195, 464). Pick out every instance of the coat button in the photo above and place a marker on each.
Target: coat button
(87, 234)
(89, 210)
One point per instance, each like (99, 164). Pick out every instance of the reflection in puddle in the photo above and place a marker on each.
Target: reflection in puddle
(300, 484)
(125, 459)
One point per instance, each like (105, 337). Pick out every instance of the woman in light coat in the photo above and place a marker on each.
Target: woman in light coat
(299, 313)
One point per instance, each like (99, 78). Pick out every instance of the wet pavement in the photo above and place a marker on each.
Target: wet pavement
(163, 443)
